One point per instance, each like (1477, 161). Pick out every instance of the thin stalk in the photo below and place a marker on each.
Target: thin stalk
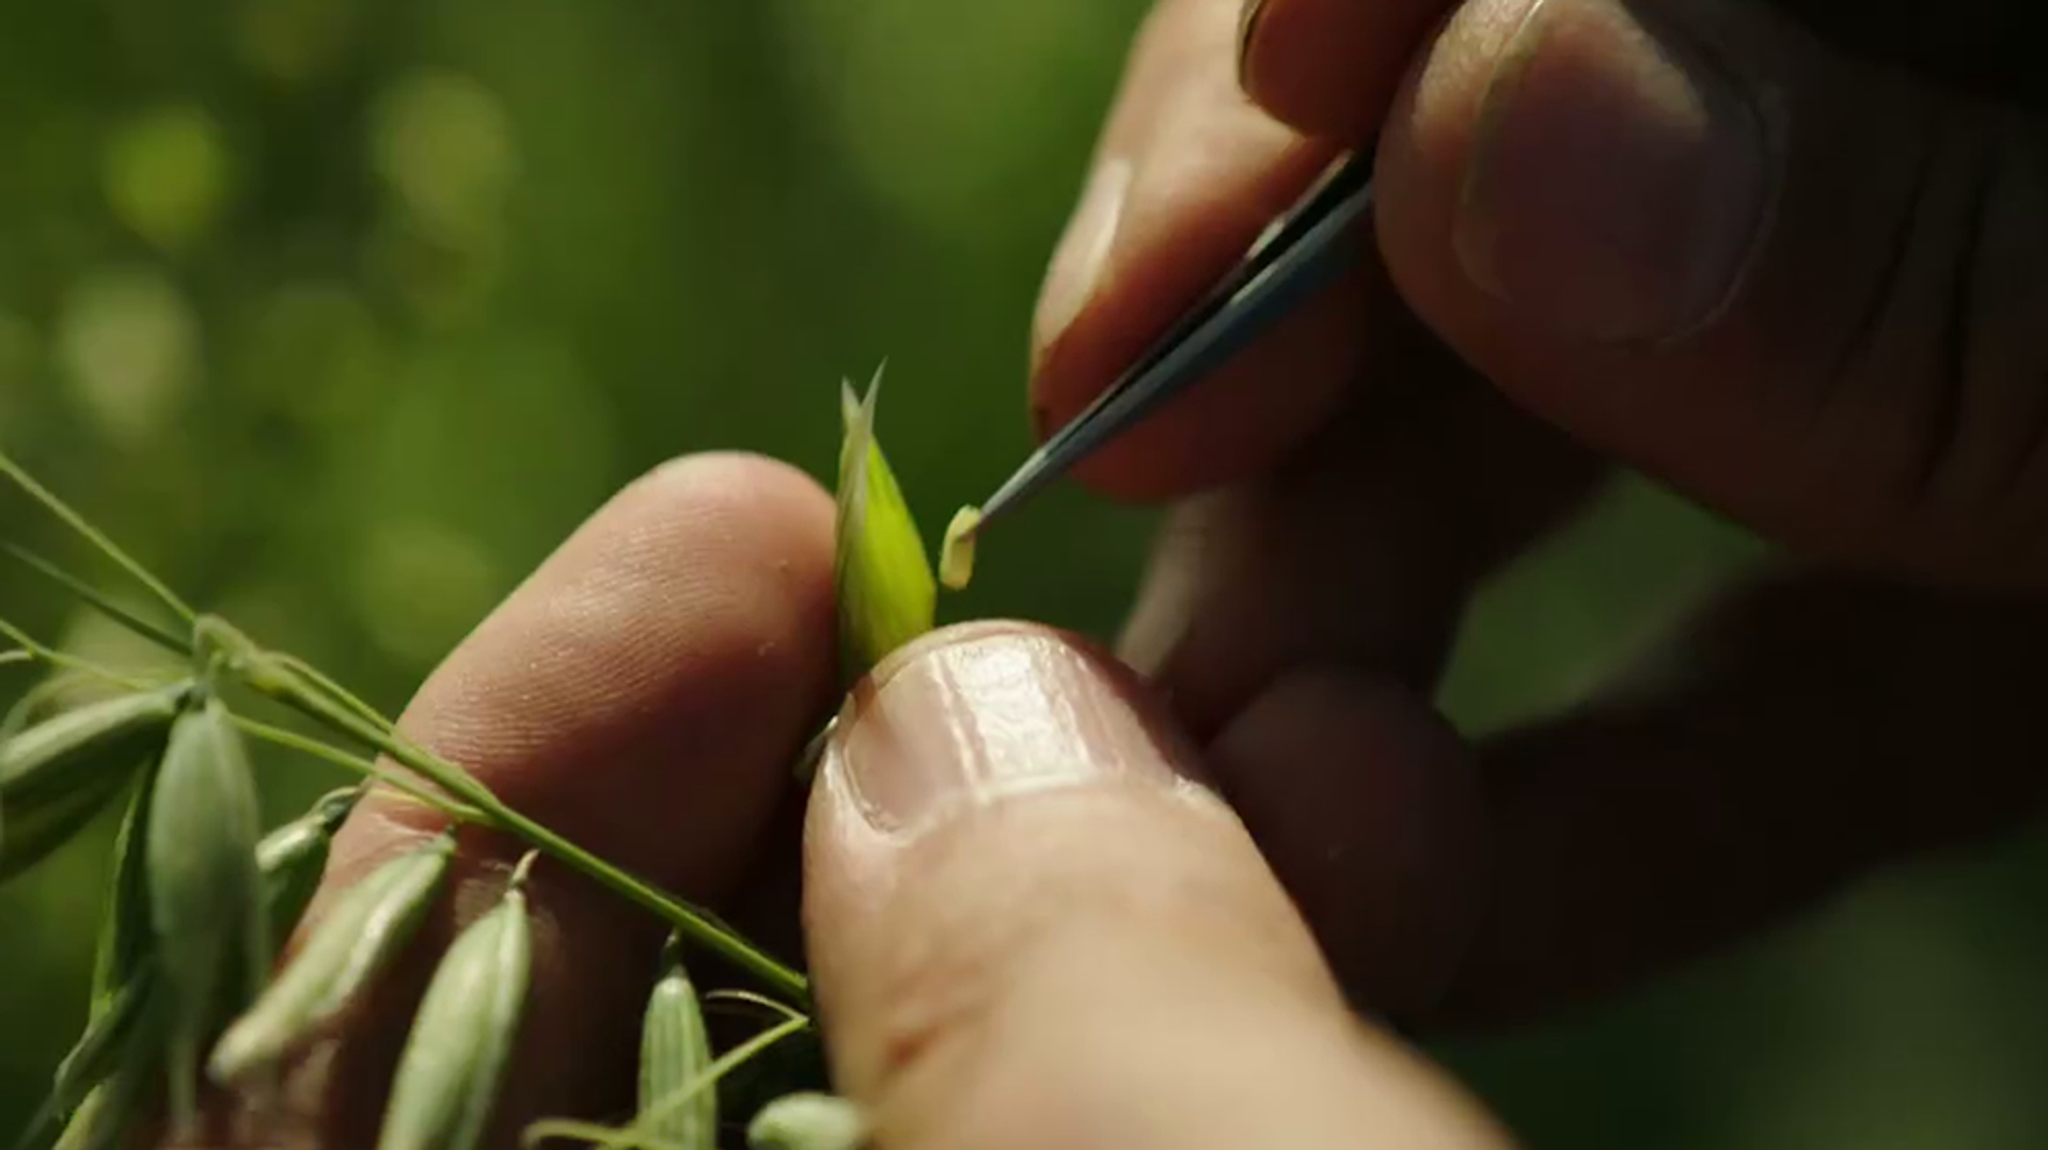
(37, 649)
(749, 998)
(340, 694)
(292, 740)
(19, 656)
(97, 600)
(280, 683)
(94, 536)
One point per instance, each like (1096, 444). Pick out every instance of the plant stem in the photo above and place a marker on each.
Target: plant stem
(294, 741)
(94, 536)
(97, 600)
(36, 649)
(339, 693)
(281, 683)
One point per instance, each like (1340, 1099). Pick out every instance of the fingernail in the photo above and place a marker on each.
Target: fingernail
(1618, 180)
(1078, 262)
(974, 721)
(1247, 33)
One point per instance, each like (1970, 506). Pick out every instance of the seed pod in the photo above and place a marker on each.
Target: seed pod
(294, 857)
(675, 1050)
(808, 1122)
(887, 595)
(454, 1058)
(369, 925)
(58, 774)
(205, 893)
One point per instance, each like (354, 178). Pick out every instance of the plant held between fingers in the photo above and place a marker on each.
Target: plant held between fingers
(200, 900)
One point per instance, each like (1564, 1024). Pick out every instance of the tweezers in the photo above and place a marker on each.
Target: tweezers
(1301, 251)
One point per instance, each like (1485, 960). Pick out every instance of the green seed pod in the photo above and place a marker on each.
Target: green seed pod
(369, 925)
(294, 857)
(455, 1057)
(675, 1050)
(205, 893)
(808, 1122)
(887, 594)
(58, 774)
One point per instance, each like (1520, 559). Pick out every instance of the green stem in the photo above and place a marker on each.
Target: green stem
(339, 693)
(36, 649)
(292, 740)
(94, 536)
(282, 684)
(97, 600)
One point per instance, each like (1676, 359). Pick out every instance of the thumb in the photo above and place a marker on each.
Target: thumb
(1805, 287)
(1029, 930)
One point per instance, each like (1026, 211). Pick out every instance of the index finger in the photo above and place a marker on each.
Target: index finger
(1187, 174)
(644, 694)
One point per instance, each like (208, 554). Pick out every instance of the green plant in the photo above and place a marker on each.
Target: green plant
(184, 984)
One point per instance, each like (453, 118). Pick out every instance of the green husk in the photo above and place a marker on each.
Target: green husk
(293, 858)
(368, 926)
(127, 972)
(808, 1122)
(887, 593)
(449, 1075)
(675, 1049)
(205, 892)
(58, 774)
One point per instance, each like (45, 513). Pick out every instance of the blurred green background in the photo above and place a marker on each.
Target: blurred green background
(343, 313)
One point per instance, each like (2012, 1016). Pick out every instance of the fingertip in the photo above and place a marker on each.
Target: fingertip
(1329, 68)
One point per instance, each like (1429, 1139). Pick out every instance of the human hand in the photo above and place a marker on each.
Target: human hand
(1027, 926)
(1689, 236)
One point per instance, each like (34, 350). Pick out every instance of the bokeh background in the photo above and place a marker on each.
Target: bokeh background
(343, 312)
